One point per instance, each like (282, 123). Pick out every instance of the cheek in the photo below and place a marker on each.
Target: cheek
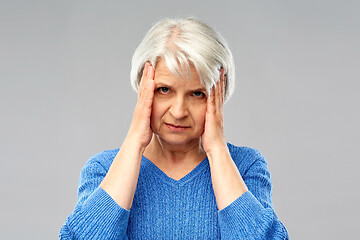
(157, 113)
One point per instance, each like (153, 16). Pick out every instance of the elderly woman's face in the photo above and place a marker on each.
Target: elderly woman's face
(179, 106)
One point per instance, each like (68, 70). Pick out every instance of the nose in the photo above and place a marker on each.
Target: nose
(178, 108)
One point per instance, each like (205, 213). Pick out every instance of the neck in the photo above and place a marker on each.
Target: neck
(169, 154)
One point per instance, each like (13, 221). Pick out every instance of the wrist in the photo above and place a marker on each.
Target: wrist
(132, 141)
(217, 152)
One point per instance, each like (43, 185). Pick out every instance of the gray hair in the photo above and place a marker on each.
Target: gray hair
(184, 41)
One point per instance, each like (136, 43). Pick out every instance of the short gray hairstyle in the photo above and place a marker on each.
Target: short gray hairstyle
(183, 41)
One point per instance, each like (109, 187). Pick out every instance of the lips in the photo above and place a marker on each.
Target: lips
(176, 126)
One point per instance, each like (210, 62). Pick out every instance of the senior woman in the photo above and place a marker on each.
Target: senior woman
(175, 176)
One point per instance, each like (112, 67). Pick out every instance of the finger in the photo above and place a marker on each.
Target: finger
(149, 89)
(151, 72)
(223, 81)
(145, 70)
(143, 80)
(218, 94)
(211, 101)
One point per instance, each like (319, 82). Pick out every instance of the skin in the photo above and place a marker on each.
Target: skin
(181, 102)
(173, 152)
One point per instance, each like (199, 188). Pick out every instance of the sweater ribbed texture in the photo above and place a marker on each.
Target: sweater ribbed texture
(164, 208)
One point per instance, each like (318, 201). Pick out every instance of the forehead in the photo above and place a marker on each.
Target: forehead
(164, 75)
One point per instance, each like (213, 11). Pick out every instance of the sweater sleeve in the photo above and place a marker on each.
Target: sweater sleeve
(96, 215)
(252, 216)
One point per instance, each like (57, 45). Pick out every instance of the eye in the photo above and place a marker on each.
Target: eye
(199, 94)
(163, 90)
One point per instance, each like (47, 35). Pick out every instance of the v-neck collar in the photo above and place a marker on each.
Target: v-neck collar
(193, 173)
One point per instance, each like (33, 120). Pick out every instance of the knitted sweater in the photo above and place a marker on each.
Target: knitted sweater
(164, 208)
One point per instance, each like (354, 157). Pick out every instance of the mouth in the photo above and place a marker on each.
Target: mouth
(176, 128)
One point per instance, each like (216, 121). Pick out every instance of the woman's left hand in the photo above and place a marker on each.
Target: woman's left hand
(213, 137)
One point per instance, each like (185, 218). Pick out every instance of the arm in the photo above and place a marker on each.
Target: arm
(244, 202)
(105, 198)
(227, 182)
(120, 183)
(251, 215)
(96, 215)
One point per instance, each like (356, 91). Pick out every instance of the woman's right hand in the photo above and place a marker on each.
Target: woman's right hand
(140, 130)
(121, 180)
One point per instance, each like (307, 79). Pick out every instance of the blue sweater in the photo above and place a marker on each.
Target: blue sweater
(164, 208)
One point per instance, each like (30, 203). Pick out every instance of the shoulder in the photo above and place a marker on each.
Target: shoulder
(244, 154)
(101, 160)
(245, 157)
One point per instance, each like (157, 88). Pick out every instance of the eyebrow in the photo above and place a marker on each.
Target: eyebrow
(201, 89)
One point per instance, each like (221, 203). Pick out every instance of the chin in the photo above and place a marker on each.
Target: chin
(174, 139)
(178, 139)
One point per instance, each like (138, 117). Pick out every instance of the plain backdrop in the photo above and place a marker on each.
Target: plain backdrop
(65, 95)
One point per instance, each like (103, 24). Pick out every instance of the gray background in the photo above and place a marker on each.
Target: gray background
(65, 95)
